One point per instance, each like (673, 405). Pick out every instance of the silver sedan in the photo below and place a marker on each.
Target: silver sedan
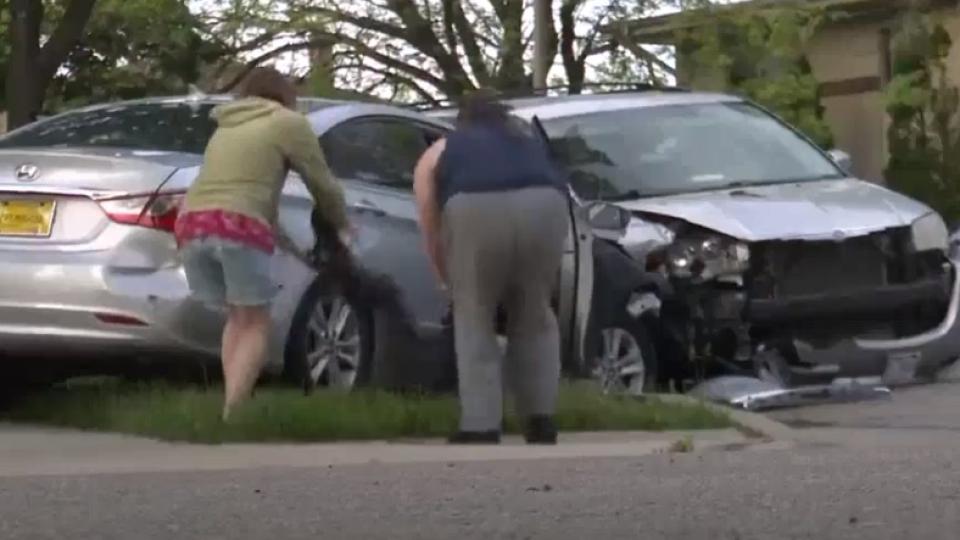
(89, 269)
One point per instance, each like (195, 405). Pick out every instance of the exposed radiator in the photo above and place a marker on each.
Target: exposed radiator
(797, 268)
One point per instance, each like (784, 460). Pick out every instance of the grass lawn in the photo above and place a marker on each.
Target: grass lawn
(180, 413)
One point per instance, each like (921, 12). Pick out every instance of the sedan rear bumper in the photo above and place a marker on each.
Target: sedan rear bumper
(85, 309)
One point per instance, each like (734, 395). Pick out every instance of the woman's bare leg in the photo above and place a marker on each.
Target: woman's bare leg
(228, 343)
(245, 346)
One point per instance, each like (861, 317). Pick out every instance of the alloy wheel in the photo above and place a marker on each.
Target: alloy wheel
(620, 367)
(333, 344)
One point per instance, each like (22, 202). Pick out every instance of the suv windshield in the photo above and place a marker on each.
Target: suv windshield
(176, 126)
(650, 151)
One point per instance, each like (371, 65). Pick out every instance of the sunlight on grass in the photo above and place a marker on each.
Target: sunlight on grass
(279, 414)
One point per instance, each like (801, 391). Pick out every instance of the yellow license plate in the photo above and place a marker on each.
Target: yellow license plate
(26, 217)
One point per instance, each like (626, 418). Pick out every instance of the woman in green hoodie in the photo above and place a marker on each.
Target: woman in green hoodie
(226, 228)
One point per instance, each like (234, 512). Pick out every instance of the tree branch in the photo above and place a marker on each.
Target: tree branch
(639, 51)
(368, 23)
(575, 70)
(370, 87)
(587, 49)
(448, 22)
(394, 76)
(359, 46)
(470, 45)
(420, 34)
(487, 34)
(512, 74)
(415, 31)
(64, 37)
(257, 61)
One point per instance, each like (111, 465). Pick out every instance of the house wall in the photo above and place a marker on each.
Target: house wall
(854, 52)
(849, 60)
(951, 21)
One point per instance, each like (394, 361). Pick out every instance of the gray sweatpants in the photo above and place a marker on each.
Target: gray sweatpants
(505, 248)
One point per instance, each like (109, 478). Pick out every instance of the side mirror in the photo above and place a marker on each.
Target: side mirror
(842, 159)
(606, 217)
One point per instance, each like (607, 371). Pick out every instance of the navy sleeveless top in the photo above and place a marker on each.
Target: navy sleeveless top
(484, 158)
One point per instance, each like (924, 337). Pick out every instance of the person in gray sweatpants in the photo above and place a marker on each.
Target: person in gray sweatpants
(494, 216)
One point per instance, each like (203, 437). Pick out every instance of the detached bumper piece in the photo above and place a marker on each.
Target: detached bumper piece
(854, 303)
(757, 395)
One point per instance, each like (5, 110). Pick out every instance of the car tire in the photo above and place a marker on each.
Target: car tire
(624, 358)
(330, 342)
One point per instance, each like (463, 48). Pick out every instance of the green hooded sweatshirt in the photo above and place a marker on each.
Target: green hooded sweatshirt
(246, 163)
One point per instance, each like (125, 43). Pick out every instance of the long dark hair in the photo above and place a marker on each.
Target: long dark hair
(483, 107)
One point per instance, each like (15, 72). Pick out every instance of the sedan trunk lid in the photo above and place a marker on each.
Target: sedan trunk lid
(48, 195)
(91, 170)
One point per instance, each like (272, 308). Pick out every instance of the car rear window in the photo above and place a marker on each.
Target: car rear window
(181, 126)
(171, 127)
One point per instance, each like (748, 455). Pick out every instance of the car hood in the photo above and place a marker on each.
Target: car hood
(834, 209)
(91, 169)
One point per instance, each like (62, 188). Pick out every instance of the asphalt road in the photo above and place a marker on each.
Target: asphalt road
(814, 492)
(873, 478)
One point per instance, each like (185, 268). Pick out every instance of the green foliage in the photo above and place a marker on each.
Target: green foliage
(758, 53)
(923, 138)
(6, 46)
(286, 415)
(132, 49)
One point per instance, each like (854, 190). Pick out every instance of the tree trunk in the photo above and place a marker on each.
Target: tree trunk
(512, 74)
(574, 68)
(543, 37)
(321, 68)
(32, 67)
(23, 89)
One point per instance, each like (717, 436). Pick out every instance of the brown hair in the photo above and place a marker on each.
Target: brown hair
(482, 107)
(268, 83)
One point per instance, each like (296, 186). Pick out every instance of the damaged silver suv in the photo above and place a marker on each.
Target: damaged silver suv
(779, 263)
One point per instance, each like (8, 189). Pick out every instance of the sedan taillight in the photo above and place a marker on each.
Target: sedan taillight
(161, 214)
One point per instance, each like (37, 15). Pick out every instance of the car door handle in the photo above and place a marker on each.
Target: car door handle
(365, 206)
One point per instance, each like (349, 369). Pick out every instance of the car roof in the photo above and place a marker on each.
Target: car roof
(550, 107)
(305, 104)
(322, 113)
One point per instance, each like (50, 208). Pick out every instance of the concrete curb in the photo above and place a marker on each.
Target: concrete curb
(752, 424)
(26, 451)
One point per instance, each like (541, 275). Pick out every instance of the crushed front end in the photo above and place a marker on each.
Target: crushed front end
(878, 305)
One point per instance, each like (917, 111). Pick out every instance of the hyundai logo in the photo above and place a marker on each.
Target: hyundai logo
(27, 172)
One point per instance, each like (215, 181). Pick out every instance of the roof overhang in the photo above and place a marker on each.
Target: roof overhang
(663, 29)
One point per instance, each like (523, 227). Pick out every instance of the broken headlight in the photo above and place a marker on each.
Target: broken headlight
(929, 233)
(706, 257)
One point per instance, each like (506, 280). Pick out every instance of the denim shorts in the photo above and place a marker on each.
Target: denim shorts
(223, 272)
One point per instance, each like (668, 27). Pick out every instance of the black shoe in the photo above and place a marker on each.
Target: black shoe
(540, 430)
(475, 437)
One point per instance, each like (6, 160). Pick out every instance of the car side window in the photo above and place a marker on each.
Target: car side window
(381, 151)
